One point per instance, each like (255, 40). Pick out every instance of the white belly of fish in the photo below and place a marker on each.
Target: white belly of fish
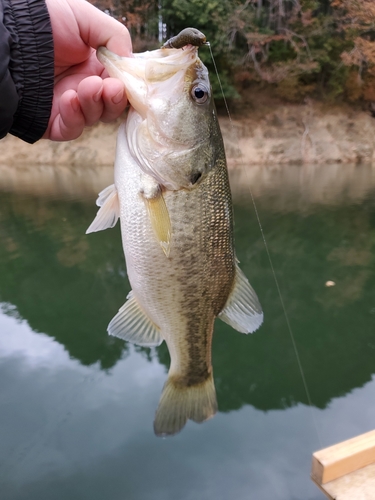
(152, 275)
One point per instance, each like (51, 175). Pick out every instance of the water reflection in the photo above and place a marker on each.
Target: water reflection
(69, 286)
(48, 180)
(61, 283)
(284, 187)
(302, 188)
(86, 432)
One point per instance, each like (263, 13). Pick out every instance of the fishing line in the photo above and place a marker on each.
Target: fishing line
(294, 344)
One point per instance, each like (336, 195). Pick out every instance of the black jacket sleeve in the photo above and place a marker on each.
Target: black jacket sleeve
(26, 68)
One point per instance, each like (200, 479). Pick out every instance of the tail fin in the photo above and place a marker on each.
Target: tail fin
(178, 404)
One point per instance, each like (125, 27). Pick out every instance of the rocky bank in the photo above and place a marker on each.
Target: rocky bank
(285, 134)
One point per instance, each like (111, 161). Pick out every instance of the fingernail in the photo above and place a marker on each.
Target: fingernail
(75, 104)
(118, 97)
(96, 97)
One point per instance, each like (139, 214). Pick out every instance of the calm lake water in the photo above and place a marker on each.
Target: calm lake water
(77, 406)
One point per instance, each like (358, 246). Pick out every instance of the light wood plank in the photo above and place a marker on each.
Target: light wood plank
(343, 458)
(358, 485)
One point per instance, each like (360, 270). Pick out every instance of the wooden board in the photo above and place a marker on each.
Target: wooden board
(358, 485)
(343, 458)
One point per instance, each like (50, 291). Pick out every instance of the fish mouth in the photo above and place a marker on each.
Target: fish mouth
(145, 69)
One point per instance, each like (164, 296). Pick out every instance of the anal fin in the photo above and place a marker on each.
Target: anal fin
(132, 324)
(242, 311)
(109, 210)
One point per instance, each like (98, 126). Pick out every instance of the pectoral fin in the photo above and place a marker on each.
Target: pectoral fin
(160, 221)
(242, 311)
(108, 212)
(132, 324)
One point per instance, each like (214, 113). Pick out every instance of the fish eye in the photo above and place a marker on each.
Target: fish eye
(199, 94)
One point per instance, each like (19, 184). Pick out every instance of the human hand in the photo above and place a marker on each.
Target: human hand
(83, 92)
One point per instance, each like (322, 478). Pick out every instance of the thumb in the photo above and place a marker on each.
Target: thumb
(97, 28)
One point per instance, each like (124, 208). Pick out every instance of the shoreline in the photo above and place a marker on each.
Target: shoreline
(284, 135)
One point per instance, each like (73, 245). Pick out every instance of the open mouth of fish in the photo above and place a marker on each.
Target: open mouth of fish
(143, 70)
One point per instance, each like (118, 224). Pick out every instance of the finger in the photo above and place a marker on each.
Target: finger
(70, 122)
(114, 99)
(97, 28)
(89, 94)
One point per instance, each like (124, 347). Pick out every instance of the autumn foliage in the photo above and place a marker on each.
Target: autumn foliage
(298, 48)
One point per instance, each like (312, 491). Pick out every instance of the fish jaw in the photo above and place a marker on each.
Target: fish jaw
(129, 72)
(147, 68)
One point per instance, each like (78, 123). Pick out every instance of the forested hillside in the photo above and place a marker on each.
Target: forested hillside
(323, 49)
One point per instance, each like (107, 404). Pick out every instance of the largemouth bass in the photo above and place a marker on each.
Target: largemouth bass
(172, 195)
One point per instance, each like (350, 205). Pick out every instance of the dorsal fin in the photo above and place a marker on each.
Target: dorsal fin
(242, 311)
